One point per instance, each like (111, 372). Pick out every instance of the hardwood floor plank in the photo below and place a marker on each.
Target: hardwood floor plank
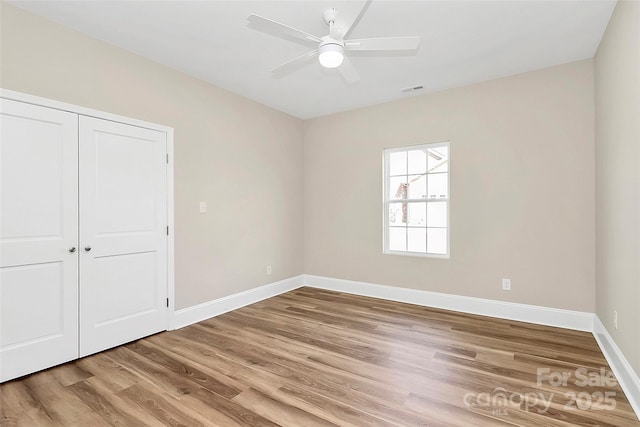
(153, 374)
(305, 365)
(297, 371)
(183, 370)
(163, 408)
(243, 376)
(225, 409)
(281, 413)
(132, 411)
(15, 400)
(443, 412)
(324, 406)
(313, 357)
(363, 353)
(70, 373)
(102, 406)
(113, 374)
(58, 404)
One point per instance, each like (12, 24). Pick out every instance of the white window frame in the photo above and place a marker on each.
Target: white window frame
(386, 200)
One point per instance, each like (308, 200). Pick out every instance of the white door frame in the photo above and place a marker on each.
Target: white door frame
(45, 102)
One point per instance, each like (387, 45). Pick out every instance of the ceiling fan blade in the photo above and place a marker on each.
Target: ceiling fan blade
(348, 71)
(383, 43)
(294, 63)
(350, 25)
(276, 28)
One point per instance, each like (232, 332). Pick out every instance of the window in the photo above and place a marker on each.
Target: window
(416, 200)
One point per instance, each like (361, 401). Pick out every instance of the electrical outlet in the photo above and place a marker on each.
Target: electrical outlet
(615, 319)
(268, 270)
(203, 207)
(506, 284)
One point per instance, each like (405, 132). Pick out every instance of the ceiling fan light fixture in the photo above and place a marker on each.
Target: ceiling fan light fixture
(331, 48)
(331, 55)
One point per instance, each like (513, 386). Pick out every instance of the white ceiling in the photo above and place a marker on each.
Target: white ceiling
(462, 42)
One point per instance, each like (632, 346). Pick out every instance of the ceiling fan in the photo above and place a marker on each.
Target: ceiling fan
(331, 48)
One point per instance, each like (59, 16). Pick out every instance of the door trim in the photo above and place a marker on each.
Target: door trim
(63, 106)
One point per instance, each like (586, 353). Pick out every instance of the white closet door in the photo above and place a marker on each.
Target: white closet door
(123, 218)
(38, 238)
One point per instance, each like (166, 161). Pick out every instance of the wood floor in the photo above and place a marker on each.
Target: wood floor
(318, 358)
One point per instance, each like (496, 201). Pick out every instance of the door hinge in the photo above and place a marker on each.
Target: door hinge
(167, 302)
(167, 158)
(167, 230)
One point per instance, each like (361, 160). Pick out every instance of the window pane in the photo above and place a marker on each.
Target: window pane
(397, 239)
(438, 159)
(417, 240)
(417, 161)
(437, 214)
(437, 240)
(417, 214)
(398, 187)
(398, 163)
(417, 186)
(438, 186)
(397, 214)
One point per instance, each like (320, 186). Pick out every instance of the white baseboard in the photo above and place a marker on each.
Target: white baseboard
(627, 377)
(568, 319)
(197, 313)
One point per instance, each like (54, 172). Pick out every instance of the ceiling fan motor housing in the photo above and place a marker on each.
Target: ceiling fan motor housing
(331, 52)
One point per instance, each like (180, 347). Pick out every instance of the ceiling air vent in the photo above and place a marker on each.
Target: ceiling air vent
(412, 88)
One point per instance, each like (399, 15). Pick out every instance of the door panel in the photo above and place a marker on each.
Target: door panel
(125, 184)
(113, 276)
(39, 287)
(123, 276)
(38, 226)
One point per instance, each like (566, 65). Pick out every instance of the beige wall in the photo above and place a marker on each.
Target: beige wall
(522, 189)
(241, 157)
(617, 82)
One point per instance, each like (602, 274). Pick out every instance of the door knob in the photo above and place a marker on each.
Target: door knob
(72, 249)
(87, 248)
